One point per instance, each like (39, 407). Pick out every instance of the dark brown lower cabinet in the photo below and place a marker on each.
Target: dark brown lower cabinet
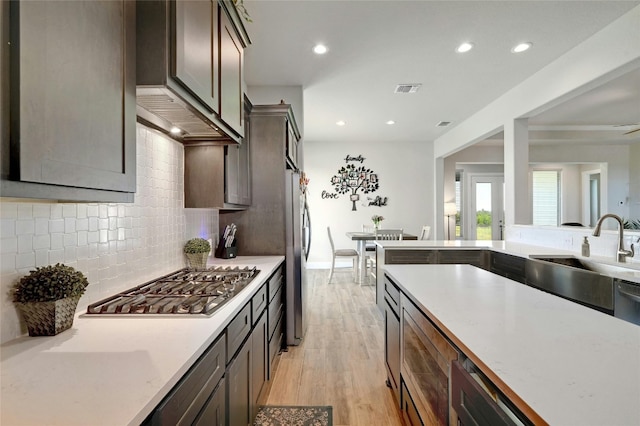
(477, 406)
(259, 359)
(392, 336)
(426, 359)
(239, 373)
(409, 410)
(216, 392)
(275, 321)
(479, 258)
(197, 393)
(508, 266)
(214, 412)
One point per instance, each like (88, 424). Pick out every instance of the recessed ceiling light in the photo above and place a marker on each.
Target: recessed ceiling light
(390, 122)
(175, 130)
(522, 47)
(464, 47)
(341, 123)
(407, 88)
(320, 49)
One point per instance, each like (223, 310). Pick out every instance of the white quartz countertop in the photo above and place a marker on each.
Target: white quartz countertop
(569, 364)
(111, 370)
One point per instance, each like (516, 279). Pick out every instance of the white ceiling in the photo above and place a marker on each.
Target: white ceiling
(375, 45)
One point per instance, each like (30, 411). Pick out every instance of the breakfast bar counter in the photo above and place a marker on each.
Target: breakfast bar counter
(559, 362)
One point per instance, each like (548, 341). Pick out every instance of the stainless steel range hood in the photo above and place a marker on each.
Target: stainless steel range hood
(163, 109)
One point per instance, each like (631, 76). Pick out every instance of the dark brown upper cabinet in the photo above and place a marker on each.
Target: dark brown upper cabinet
(72, 120)
(237, 167)
(197, 47)
(231, 77)
(189, 74)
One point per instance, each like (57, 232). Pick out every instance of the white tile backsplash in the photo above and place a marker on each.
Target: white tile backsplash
(116, 246)
(569, 238)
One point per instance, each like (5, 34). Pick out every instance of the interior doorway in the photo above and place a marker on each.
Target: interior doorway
(485, 215)
(591, 196)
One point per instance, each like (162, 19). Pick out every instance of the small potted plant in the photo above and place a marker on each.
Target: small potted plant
(376, 220)
(47, 298)
(197, 251)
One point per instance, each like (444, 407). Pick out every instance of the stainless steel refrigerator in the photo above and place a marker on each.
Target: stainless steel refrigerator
(277, 221)
(298, 237)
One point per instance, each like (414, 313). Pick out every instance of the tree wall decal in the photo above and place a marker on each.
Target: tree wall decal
(353, 179)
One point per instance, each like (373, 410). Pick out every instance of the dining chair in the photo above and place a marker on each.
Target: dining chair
(381, 234)
(352, 253)
(369, 245)
(424, 234)
(388, 234)
(370, 251)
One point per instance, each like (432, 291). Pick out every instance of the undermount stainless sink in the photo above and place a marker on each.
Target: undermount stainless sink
(588, 265)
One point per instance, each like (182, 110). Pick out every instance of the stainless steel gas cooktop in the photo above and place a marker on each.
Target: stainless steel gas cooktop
(186, 291)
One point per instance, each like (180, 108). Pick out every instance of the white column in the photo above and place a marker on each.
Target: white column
(438, 205)
(517, 193)
(449, 196)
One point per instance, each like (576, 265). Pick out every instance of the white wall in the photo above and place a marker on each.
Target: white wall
(117, 246)
(615, 156)
(404, 172)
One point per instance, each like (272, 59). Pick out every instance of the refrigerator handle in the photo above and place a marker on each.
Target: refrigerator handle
(307, 231)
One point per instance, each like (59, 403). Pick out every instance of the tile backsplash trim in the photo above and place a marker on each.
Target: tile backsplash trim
(116, 246)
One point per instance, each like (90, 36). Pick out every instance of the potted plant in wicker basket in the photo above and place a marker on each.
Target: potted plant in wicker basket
(47, 298)
(197, 251)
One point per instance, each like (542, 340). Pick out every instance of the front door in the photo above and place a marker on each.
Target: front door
(486, 207)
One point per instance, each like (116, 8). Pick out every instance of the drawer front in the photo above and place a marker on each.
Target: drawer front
(275, 282)
(392, 294)
(472, 403)
(190, 395)
(238, 330)
(446, 351)
(259, 303)
(214, 413)
(275, 311)
(410, 256)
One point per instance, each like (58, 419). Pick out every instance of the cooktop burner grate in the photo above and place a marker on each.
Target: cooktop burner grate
(186, 291)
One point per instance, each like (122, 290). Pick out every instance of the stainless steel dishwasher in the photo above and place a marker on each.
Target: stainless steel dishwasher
(627, 301)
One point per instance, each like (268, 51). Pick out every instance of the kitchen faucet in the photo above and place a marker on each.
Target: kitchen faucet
(622, 253)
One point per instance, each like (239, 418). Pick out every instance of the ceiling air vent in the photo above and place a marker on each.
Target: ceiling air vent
(407, 88)
(443, 124)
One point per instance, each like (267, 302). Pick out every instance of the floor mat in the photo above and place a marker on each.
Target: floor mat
(271, 415)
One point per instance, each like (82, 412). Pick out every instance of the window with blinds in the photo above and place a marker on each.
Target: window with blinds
(546, 197)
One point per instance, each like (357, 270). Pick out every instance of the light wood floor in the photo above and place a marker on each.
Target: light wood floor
(341, 359)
